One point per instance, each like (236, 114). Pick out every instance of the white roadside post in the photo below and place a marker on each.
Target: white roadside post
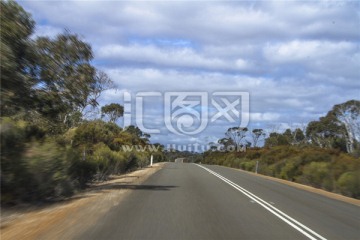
(256, 168)
(151, 160)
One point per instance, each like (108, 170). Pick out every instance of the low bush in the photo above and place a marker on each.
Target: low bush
(329, 169)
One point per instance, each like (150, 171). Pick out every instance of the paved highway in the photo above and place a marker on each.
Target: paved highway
(189, 201)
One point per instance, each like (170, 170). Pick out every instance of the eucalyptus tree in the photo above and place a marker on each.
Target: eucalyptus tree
(112, 111)
(16, 27)
(237, 135)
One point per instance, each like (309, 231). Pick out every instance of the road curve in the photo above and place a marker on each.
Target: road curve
(189, 201)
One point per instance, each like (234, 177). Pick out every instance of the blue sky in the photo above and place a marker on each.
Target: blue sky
(295, 58)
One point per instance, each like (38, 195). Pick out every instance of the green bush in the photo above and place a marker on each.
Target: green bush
(131, 163)
(81, 170)
(349, 184)
(46, 164)
(93, 132)
(109, 162)
(31, 171)
(315, 173)
(143, 159)
(290, 169)
(321, 168)
(248, 166)
(14, 174)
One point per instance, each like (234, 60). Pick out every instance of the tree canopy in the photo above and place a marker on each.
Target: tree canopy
(113, 111)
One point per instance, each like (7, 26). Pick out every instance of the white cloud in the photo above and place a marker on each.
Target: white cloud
(295, 58)
(169, 57)
(307, 50)
(267, 117)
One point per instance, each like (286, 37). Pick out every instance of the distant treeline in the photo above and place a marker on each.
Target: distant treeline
(325, 154)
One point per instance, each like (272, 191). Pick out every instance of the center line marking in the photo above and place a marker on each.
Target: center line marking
(278, 213)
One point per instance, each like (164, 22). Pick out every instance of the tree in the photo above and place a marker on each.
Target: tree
(298, 136)
(47, 148)
(326, 133)
(340, 128)
(101, 84)
(348, 115)
(288, 135)
(65, 77)
(16, 26)
(139, 137)
(276, 139)
(93, 132)
(50, 76)
(225, 143)
(257, 135)
(113, 111)
(237, 135)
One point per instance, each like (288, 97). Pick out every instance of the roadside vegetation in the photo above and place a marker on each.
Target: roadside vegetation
(55, 138)
(325, 154)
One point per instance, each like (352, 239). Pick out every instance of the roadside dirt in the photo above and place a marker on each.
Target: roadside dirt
(66, 219)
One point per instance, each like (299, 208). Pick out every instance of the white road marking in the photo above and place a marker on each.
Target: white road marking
(283, 216)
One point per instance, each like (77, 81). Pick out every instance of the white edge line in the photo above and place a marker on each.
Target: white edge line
(277, 210)
(283, 216)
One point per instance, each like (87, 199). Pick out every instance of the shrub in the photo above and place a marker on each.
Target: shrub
(131, 163)
(322, 168)
(45, 163)
(80, 170)
(248, 166)
(315, 173)
(14, 173)
(290, 169)
(349, 184)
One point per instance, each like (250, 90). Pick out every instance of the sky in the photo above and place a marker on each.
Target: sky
(295, 59)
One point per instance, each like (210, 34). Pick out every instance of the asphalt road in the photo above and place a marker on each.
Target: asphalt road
(187, 201)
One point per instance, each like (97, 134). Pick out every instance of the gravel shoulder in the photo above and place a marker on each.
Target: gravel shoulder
(66, 219)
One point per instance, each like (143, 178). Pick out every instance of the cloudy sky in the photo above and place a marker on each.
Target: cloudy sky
(296, 59)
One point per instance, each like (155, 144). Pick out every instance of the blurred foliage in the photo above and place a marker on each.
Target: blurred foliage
(48, 86)
(16, 27)
(38, 167)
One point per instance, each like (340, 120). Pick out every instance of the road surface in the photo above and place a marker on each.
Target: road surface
(189, 201)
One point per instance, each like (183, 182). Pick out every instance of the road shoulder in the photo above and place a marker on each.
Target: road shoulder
(66, 219)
